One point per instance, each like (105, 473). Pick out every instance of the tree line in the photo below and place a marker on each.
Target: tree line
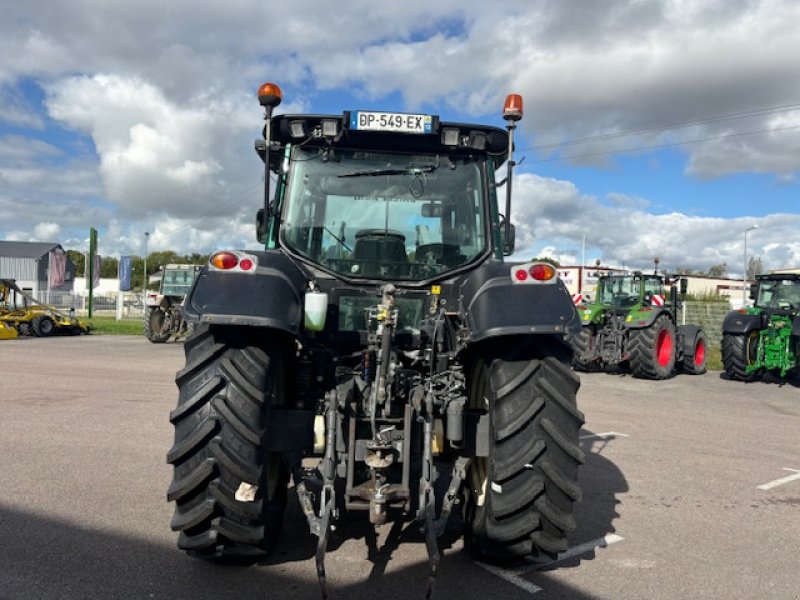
(155, 261)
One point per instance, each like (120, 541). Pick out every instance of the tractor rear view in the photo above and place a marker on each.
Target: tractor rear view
(632, 322)
(766, 336)
(163, 318)
(378, 343)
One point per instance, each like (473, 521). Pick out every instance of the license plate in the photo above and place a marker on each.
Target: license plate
(394, 122)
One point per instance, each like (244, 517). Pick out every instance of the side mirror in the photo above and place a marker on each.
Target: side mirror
(508, 245)
(753, 291)
(684, 286)
(262, 226)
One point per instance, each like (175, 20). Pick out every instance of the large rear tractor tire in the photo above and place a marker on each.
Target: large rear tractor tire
(582, 345)
(43, 326)
(229, 492)
(652, 350)
(154, 325)
(696, 364)
(520, 499)
(739, 351)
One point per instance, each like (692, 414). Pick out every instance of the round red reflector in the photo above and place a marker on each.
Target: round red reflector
(224, 260)
(246, 264)
(520, 274)
(542, 272)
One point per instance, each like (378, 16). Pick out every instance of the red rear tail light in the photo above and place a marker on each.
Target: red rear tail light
(542, 272)
(246, 264)
(224, 260)
(534, 273)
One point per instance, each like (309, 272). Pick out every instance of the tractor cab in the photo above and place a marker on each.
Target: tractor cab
(384, 197)
(627, 291)
(778, 292)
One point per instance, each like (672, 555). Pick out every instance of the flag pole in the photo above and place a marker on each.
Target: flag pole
(92, 252)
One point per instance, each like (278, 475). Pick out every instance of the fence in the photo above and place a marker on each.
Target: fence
(708, 314)
(103, 304)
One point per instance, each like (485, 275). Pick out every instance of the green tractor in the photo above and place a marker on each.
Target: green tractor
(632, 322)
(766, 336)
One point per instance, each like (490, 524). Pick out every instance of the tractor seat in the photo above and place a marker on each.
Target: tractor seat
(379, 252)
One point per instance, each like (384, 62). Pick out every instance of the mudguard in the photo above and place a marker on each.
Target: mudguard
(741, 323)
(492, 305)
(272, 296)
(688, 333)
(640, 319)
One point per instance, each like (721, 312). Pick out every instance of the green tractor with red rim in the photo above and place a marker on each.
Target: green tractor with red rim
(633, 323)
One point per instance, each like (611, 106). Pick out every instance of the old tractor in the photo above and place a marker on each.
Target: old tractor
(766, 336)
(632, 322)
(28, 317)
(163, 318)
(377, 346)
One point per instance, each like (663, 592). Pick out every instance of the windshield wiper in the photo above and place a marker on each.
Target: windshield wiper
(405, 171)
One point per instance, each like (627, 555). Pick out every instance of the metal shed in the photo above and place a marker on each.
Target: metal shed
(29, 263)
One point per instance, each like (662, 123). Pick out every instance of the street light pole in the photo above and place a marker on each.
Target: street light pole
(744, 275)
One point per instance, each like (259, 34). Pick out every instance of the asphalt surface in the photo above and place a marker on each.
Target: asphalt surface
(672, 506)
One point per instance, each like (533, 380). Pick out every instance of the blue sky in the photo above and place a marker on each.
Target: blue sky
(651, 127)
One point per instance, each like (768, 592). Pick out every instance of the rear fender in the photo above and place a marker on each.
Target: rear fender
(272, 296)
(740, 323)
(493, 306)
(640, 319)
(687, 335)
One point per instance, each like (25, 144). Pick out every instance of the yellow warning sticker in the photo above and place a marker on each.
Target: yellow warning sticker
(436, 290)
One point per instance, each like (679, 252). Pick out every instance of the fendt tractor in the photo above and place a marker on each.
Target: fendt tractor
(632, 322)
(379, 351)
(163, 317)
(766, 336)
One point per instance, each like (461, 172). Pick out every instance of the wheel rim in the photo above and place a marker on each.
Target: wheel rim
(479, 465)
(699, 353)
(752, 347)
(46, 326)
(664, 348)
(157, 321)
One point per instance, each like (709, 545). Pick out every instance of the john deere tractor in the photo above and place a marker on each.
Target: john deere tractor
(163, 318)
(377, 345)
(766, 336)
(633, 322)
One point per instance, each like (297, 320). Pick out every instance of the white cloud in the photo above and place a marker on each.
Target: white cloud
(552, 216)
(165, 93)
(47, 231)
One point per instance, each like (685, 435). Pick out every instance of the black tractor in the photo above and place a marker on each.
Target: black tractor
(377, 346)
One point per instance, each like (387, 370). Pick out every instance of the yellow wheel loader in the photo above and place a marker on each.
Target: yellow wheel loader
(22, 314)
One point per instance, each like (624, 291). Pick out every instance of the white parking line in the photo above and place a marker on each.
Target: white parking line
(513, 576)
(607, 434)
(781, 481)
(510, 575)
(603, 542)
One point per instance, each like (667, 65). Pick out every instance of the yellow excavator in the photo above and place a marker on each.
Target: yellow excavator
(22, 314)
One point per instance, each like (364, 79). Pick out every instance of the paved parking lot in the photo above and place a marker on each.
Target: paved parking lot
(691, 490)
